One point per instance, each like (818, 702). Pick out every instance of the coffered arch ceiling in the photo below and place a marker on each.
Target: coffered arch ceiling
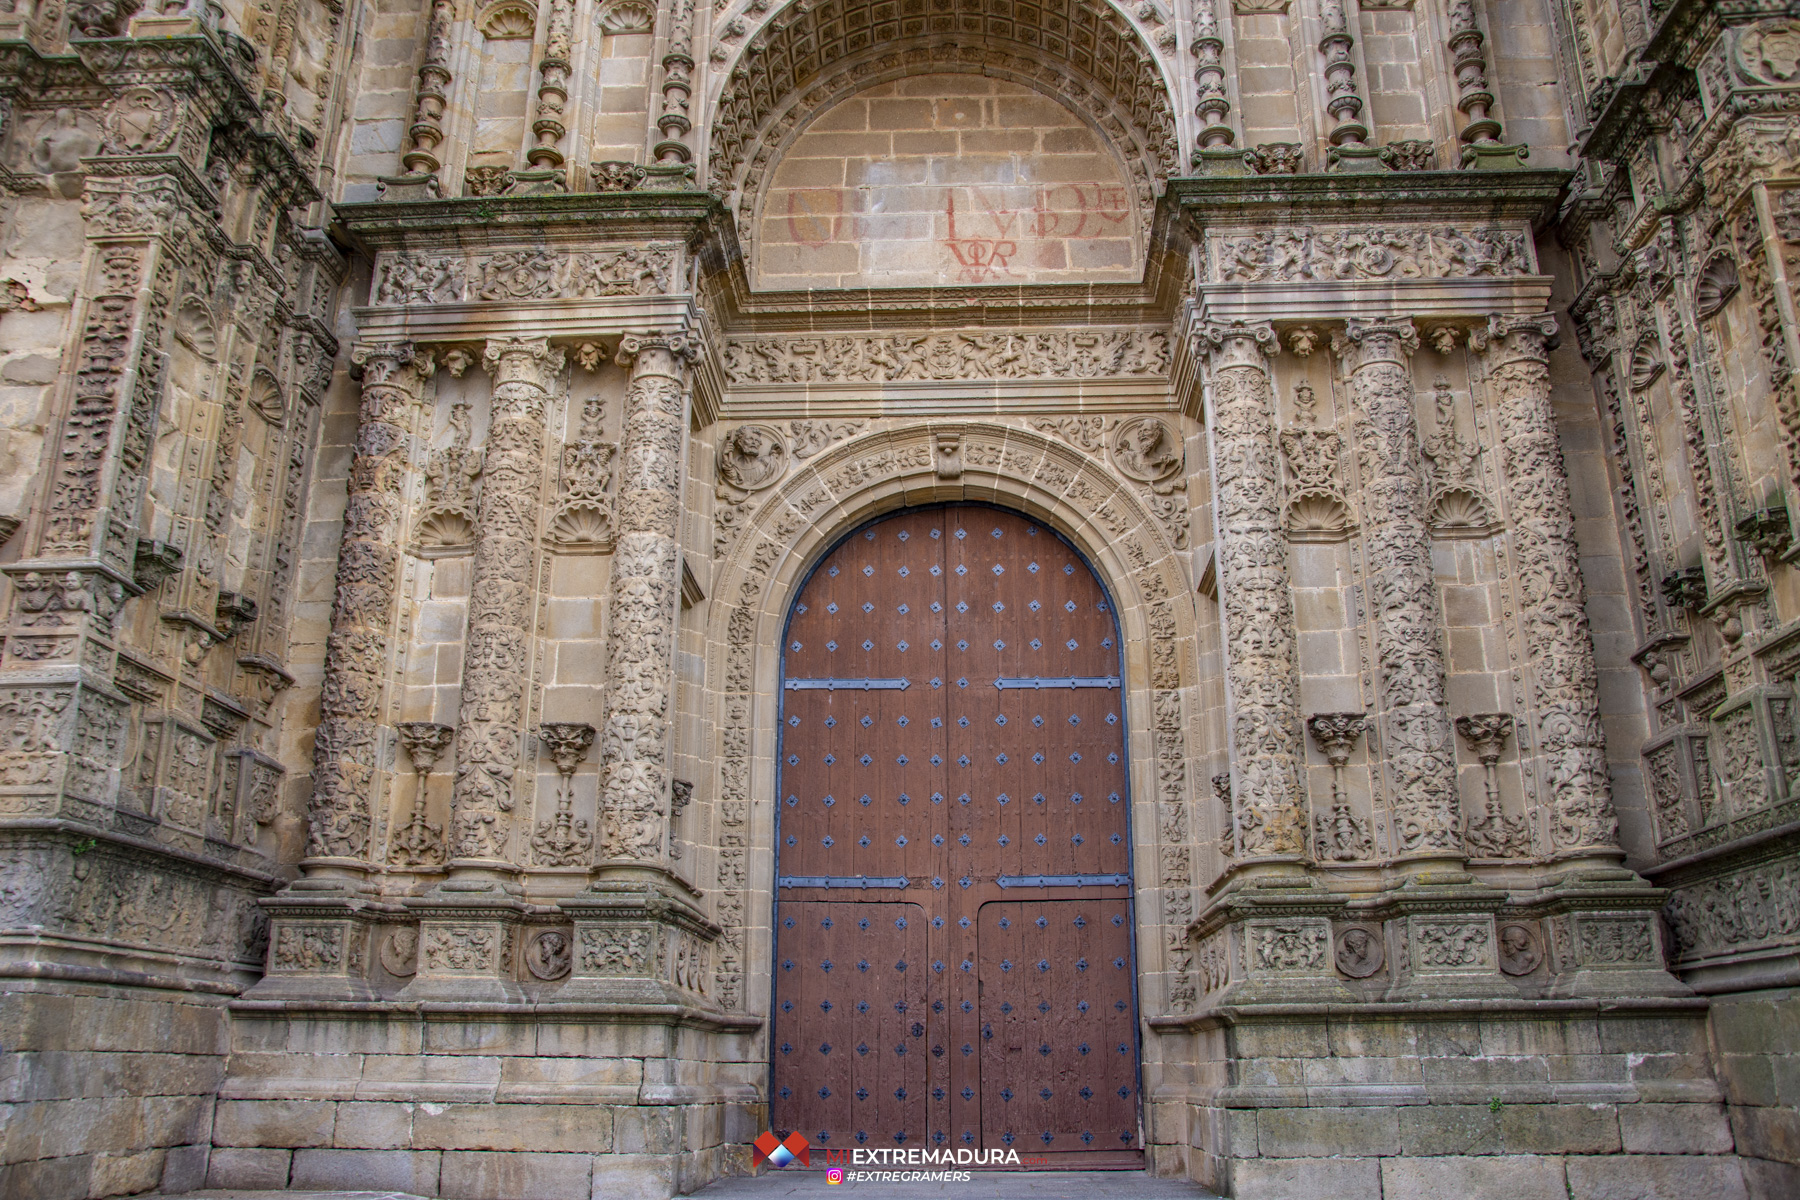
(813, 53)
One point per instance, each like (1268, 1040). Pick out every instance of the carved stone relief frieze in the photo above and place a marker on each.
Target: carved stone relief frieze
(419, 278)
(1303, 252)
(924, 356)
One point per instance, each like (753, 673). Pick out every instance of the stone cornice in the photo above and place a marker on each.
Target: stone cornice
(1530, 195)
(576, 218)
(193, 64)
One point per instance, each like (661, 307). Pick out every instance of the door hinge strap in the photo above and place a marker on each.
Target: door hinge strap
(1012, 881)
(843, 881)
(848, 685)
(1053, 681)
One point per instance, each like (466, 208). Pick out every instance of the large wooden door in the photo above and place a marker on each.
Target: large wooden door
(953, 962)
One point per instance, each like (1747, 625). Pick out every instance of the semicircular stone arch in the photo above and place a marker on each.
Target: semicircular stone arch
(807, 58)
(801, 518)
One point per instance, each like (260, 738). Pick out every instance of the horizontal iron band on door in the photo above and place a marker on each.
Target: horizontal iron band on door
(1057, 681)
(843, 881)
(848, 685)
(1013, 881)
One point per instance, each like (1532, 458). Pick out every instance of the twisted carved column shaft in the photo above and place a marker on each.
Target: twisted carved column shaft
(553, 86)
(1262, 669)
(347, 749)
(677, 87)
(646, 598)
(1552, 598)
(490, 719)
(1418, 744)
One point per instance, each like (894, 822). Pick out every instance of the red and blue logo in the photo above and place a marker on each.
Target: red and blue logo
(778, 1153)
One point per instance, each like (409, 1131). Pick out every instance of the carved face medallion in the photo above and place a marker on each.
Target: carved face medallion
(1359, 952)
(752, 457)
(400, 953)
(1147, 449)
(1519, 950)
(547, 957)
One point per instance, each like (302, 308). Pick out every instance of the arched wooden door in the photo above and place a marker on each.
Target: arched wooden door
(953, 955)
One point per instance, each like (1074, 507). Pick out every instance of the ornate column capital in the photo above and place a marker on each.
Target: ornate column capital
(657, 353)
(522, 360)
(1335, 734)
(1235, 343)
(425, 742)
(1505, 339)
(566, 742)
(1361, 343)
(1485, 734)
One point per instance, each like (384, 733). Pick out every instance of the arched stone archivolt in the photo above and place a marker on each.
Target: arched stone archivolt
(891, 469)
(806, 58)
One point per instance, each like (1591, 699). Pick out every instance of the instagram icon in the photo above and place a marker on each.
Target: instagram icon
(834, 1175)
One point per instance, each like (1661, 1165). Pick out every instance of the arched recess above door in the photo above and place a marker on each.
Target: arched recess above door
(808, 57)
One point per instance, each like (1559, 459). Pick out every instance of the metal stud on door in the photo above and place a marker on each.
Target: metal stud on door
(952, 757)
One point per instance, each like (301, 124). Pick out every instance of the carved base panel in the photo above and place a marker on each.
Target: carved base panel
(1446, 955)
(467, 949)
(637, 945)
(318, 950)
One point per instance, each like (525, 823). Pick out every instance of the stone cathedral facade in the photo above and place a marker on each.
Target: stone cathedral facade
(1198, 583)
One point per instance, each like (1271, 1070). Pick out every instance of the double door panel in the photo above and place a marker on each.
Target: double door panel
(952, 722)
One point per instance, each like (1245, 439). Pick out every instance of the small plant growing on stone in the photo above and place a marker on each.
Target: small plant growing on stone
(1495, 1104)
(82, 847)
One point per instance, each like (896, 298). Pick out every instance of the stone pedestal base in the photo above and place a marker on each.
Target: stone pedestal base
(1476, 1099)
(552, 1103)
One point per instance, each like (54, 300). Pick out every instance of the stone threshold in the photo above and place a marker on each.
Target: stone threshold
(696, 1018)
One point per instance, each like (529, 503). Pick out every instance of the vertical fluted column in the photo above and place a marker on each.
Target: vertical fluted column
(347, 751)
(497, 651)
(1417, 742)
(646, 599)
(1262, 669)
(1565, 682)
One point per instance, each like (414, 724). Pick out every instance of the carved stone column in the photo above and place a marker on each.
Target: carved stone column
(1262, 668)
(497, 655)
(430, 100)
(319, 925)
(640, 936)
(1416, 740)
(348, 751)
(646, 599)
(1565, 683)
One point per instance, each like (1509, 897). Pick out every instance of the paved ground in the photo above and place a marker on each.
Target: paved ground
(982, 1185)
(805, 1185)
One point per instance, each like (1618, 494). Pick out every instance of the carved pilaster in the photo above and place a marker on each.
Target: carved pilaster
(1473, 96)
(646, 598)
(1262, 667)
(1416, 743)
(553, 88)
(496, 661)
(1552, 599)
(1343, 99)
(674, 159)
(347, 752)
(430, 101)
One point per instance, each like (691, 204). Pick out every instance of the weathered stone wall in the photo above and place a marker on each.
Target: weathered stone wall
(392, 614)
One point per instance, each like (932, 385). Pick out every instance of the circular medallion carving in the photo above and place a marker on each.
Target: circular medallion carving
(400, 952)
(1359, 952)
(547, 957)
(752, 457)
(1146, 449)
(141, 121)
(1520, 952)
